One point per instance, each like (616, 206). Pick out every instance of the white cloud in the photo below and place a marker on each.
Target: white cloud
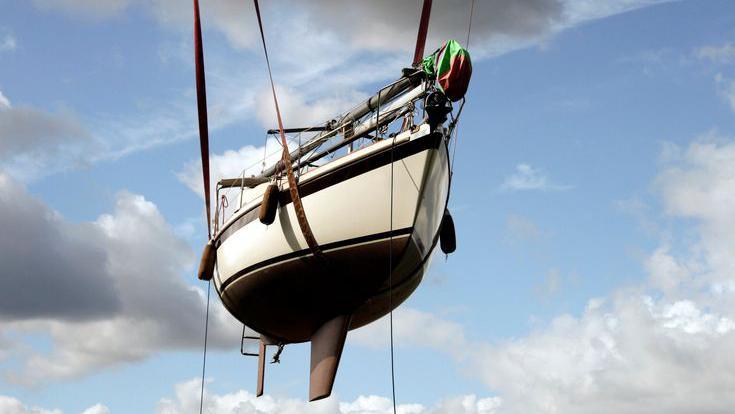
(320, 27)
(9, 405)
(522, 229)
(550, 284)
(666, 273)
(304, 56)
(411, 327)
(528, 178)
(498, 26)
(663, 346)
(639, 210)
(726, 89)
(85, 8)
(4, 102)
(700, 186)
(635, 355)
(7, 42)
(718, 54)
(242, 402)
(665, 351)
(97, 409)
(297, 111)
(250, 159)
(35, 141)
(247, 160)
(85, 283)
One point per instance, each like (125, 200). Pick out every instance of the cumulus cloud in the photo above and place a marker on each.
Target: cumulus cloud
(28, 131)
(385, 26)
(527, 177)
(522, 229)
(699, 185)
(304, 56)
(4, 102)
(7, 42)
(247, 160)
(33, 140)
(635, 354)
(86, 8)
(665, 347)
(662, 346)
(726, 89)
(49, 266)
(717, 54)
(412, 327)
(97, 409)
(300, 112)
(82, 284)
(9, 405)
(242, 402)
(13, 406)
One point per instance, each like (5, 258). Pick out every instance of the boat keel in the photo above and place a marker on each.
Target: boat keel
(326, 349)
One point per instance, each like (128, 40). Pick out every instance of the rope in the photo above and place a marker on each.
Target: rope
(293, 187)
(390, 262)
(454, 121)
(469, 26)
(204, 358)
(454, 129)
(224, 204)
(390, 281)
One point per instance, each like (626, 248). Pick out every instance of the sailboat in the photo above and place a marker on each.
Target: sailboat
(340, 230)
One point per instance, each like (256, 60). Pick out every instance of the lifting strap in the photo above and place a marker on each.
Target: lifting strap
(286, 158)
(418, 53)
(202, 112)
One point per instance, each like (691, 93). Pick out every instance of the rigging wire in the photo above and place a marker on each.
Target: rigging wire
(379, 132)
(390, 252)
(455, 129)
(469, 25)
(204, 358)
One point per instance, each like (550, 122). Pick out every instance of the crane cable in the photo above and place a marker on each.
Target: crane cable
(390, 265)
(418, 55)
(204, 358)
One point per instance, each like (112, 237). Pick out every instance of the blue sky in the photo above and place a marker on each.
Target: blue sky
(593, 195)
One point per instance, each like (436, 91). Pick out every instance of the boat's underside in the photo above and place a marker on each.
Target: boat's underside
(351, 281)
(268, 278)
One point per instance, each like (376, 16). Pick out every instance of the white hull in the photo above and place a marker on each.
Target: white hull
(352, 213)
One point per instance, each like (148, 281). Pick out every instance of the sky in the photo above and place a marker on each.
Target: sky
(593, 198)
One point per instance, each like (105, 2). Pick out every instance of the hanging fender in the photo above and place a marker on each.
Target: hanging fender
(286, 157)
(206, 265)
(447, 236)
(269, 206)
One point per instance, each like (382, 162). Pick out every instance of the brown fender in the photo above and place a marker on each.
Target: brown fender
(206, 265)
(269, 206)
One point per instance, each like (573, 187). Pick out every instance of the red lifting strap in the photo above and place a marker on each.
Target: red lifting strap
(292, 185)
(202, 111)
(418, 54)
